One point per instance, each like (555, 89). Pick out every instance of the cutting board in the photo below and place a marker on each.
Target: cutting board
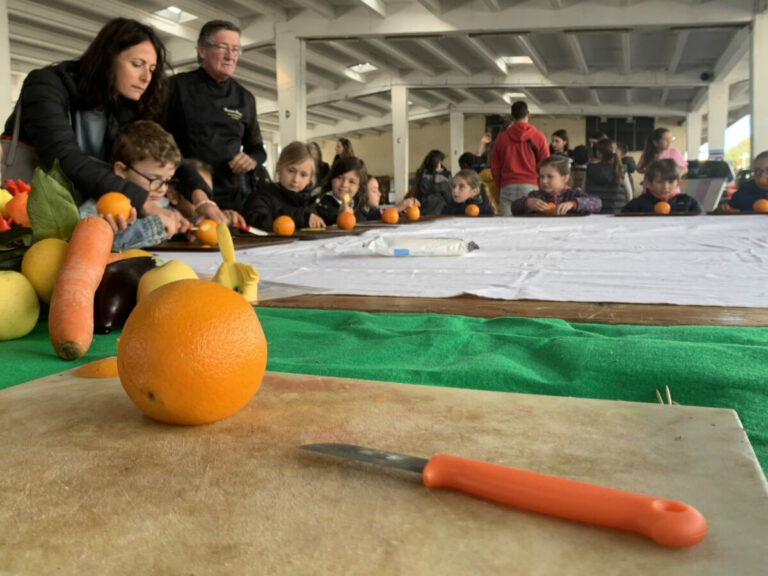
(91, 486)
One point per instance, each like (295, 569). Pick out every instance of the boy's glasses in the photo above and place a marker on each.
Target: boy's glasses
(227, 48)
(155, 183)
(757, 173)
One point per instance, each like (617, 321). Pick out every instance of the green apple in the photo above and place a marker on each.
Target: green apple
(169, 272)
(19, 306)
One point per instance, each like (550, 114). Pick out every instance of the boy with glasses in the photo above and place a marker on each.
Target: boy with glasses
(754, 189)
(146, 155)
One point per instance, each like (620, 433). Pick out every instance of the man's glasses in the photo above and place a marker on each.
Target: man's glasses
(227, 48)
(155, 183)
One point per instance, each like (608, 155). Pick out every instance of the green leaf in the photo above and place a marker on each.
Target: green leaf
(52, 210)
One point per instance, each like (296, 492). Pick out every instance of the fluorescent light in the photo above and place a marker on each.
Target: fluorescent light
(516, 60)
(510, 97)
(363, 67)
(354, 76)
(175, 14)
(174, 10)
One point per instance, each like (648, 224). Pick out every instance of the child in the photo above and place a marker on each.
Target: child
(295, 169)
(146, 155)
(580, 157)
(554, 173)
(367, 202)
(658, 147)
(348, 177)
(433, 183)
(754, 189)
(187, 209)
(662, 180)
(559, 143)
(606, 178)
(466, 189)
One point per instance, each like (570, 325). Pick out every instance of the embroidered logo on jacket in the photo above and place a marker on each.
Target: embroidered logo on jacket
(234, 114)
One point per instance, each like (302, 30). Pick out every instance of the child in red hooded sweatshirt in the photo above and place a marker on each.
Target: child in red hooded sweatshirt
(516, 156)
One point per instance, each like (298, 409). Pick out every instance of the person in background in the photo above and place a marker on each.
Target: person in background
(468, 161)
(483, 151)
(295, 169)
(554, 173)
(466, 189)
(754, 189)
(662, 180)
(580, 161)
(516, 154)
(606, 178)
(658, 147)
(213, 118)
(343, 149)
(433, 183)
(322, 169)
(73, 112)
(367, 202)
(592, 141)
(558, 144)
(630, 167)
(348, 177)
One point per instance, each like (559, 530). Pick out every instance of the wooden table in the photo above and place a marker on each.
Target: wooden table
(90, 486)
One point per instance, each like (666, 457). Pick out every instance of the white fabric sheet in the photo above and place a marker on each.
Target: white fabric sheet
(696, 260)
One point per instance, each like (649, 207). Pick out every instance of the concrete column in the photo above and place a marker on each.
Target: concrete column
(759, 83)
(693, 134)
(717, 118)
(291, 88)
(457, 138)
(5, 63)
(399, 95)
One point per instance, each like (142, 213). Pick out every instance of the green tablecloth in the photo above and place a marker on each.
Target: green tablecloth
(703, 366)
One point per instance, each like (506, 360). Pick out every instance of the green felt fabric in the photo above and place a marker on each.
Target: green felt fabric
(703, 366)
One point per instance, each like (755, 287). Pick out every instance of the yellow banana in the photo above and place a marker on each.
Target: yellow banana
(238, 276)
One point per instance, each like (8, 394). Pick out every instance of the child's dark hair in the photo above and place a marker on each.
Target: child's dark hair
(519, 110)
(650, 152)
(467, 160)
(361, 198)
(665, 169)
(762, 156)
(145, 140)
(472, 179)
(580, 155)
(560, 163)
(563, 135)
(606, 151)
(346, 164)
(346, 146)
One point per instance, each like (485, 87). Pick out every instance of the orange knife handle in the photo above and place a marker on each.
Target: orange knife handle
(666, 522)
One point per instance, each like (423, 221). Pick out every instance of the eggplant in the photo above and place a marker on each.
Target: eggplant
(116, 295)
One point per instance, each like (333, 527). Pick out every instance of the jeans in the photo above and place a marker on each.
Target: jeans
(512, 192)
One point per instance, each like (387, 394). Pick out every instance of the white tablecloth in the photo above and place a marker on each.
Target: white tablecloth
(696, 260)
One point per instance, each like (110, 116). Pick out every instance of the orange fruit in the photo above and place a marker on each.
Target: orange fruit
(346, 220)
(760, 205)
(206, 233)
(184, 363)
(550, 209)
(16, 208)
(413, 213)
(114, 203)
(662, 207)
(472, 210)
(283, 226)
(390, 216)
(104, 368)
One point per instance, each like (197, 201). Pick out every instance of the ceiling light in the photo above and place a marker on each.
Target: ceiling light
(354, 76)
(175, 14)
(510, 97)
(516, 60)
(363, 67)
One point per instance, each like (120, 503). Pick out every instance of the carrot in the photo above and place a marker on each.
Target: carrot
(70, 319)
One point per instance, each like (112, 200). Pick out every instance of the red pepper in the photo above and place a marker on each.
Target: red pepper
(22, 186)
(4, 224)
(11, 186)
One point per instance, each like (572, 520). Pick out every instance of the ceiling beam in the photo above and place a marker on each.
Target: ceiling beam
(56, 18)
(356, 56)
(335, 113)
(737, 49)
(359, 107)
(64, 43)
(319, 7)
(263, 7)
(324, 62)
(681, 40)
(441, 95)
(525, 43)
(415, 97)
(625, 54)
(206, 11)
(443, 56)
(578, 54)
(432, 6)
(469, 95)
(491, 60)
(563, 96)
(594, 96)
(376, 6)
(664, 96)
(387, 46)
(321, 119)
(493, 5)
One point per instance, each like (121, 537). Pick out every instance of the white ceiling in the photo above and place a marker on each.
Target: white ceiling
(590, 57)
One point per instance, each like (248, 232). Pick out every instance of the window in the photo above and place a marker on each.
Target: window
(633, 131)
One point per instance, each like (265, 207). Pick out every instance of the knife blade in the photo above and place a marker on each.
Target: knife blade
(666, 522)
(251, 230)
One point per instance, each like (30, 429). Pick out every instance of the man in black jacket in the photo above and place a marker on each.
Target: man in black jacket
(213, 118)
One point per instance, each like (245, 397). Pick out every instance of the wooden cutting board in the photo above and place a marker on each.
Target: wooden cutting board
(90, 486)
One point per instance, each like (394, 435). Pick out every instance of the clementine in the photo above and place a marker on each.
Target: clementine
(390, 216)
(760, 205)
(283, 226)
(413, 213)
(346, 220)
(104, 368)
(550, 209)
(114, 203)
(472, 210)
(206, 233)
(16, 208)
(184, 363)
(662, 207)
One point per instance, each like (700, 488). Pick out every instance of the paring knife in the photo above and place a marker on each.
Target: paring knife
(666, 522)
(251, 230)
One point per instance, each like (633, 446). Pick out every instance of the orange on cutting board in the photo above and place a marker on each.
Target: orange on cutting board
(390, 216)
(760, 205)
(346, 220)
(283, 226)
(662, 207)
(206, 233)
(114, 203)
(413, 213)
(550, 209)
(104, 368)
(186, 363)
(472, 210)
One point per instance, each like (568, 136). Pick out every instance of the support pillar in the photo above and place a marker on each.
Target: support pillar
(457, 138)
(5, 63)
(291, 88)
(717, 119)
(759, 84)
(693, 134)
(399, 95)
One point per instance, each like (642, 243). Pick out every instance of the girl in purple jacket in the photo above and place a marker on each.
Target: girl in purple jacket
(553, 189)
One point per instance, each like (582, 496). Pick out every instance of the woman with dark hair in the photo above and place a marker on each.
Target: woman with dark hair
(433, 184)
(559, 143)
(343, 149)
(73, 111)
(606, 178)
(659, 147)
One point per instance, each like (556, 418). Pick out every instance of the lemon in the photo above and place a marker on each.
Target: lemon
(136, 253)
(41, 264)
(19, 306)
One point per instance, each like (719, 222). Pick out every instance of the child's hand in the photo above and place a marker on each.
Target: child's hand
(316, 222)
(564, 208)
(119, 223)
(173, 222)
(407, 203)
(535, 204)
(234, 218)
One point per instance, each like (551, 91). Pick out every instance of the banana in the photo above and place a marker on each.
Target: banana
(238, 276)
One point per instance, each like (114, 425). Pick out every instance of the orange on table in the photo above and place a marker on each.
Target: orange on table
(760, 205)
(472, 210)
(104, 368)
(283, 226)
(550, 209)
(662, 207)
(184, 363)
(206, 233)
(390, 216)
(114, 203)
(16, 208)
(346, 220)
(413, 213)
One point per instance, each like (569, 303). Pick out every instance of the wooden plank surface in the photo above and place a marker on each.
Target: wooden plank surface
(475, 306)
(90, 486)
